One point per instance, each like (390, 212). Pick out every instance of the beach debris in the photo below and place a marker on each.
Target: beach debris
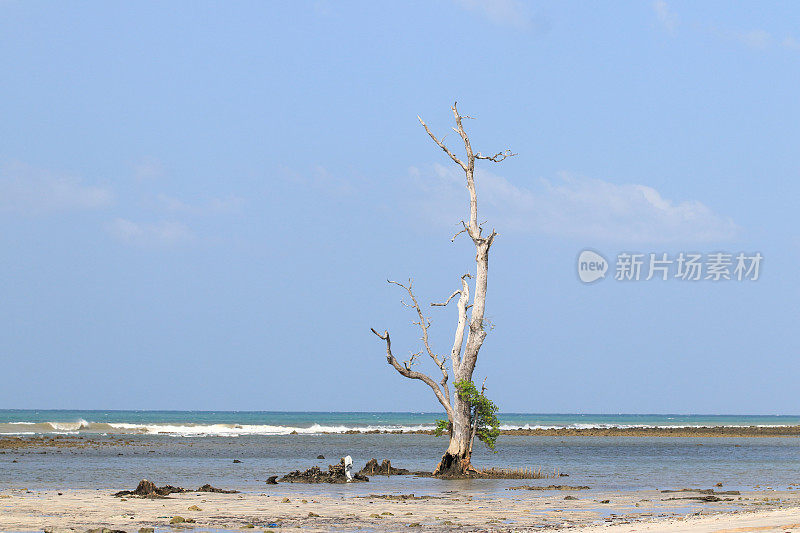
(248, 526)
(313, 515)
(348, 467)
(335, 474)
(549, 487)
(148, 489)
(286, 500)
(272, 480)
(571, 498)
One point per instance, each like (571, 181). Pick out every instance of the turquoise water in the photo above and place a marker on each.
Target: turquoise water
(239, 423)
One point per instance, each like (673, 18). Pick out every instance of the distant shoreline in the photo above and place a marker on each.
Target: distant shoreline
(700, 431)
(80, 439)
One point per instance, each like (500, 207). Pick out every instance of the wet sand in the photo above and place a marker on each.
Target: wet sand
(308, 510)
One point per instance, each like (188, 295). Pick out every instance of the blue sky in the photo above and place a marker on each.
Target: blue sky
(200, 202)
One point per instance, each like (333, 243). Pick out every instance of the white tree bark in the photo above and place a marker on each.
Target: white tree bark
(456, 460)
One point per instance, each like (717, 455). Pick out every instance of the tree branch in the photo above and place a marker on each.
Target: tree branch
(444, 303)
(412, 374)
(424, 323)
(442, 145)
(499, 156)
(463, 230)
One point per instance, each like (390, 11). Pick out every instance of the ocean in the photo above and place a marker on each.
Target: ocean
(242, 423)
(193, 448)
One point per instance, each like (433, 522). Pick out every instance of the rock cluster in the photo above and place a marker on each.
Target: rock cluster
(148, 489)
(335, 474)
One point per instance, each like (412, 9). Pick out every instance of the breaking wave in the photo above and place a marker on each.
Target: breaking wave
(189, 429)
(236, 430)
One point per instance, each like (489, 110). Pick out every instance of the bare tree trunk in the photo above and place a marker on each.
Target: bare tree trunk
(457, 459)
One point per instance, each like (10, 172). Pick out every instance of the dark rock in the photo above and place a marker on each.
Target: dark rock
(148, 489)
(272, 480)
(236, 461)
(570, 498)
(372, 468)
(209, 488)
(320, 456)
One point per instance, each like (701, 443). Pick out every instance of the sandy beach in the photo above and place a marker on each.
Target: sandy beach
(457, 510)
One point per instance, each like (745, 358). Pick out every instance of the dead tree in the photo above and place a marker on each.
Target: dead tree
(463, 356)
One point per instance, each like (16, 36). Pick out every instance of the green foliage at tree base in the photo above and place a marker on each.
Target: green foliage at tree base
(480, 408)
(483, 410)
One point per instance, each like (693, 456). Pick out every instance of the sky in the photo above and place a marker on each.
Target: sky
(201, 202)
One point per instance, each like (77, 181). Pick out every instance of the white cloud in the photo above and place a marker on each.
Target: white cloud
(28, 190)
(148, 169)
(212, 206)
(791, 43)
(665, 15)
(160, 233)
(572, 207)
(503, 12)
(758, 39)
